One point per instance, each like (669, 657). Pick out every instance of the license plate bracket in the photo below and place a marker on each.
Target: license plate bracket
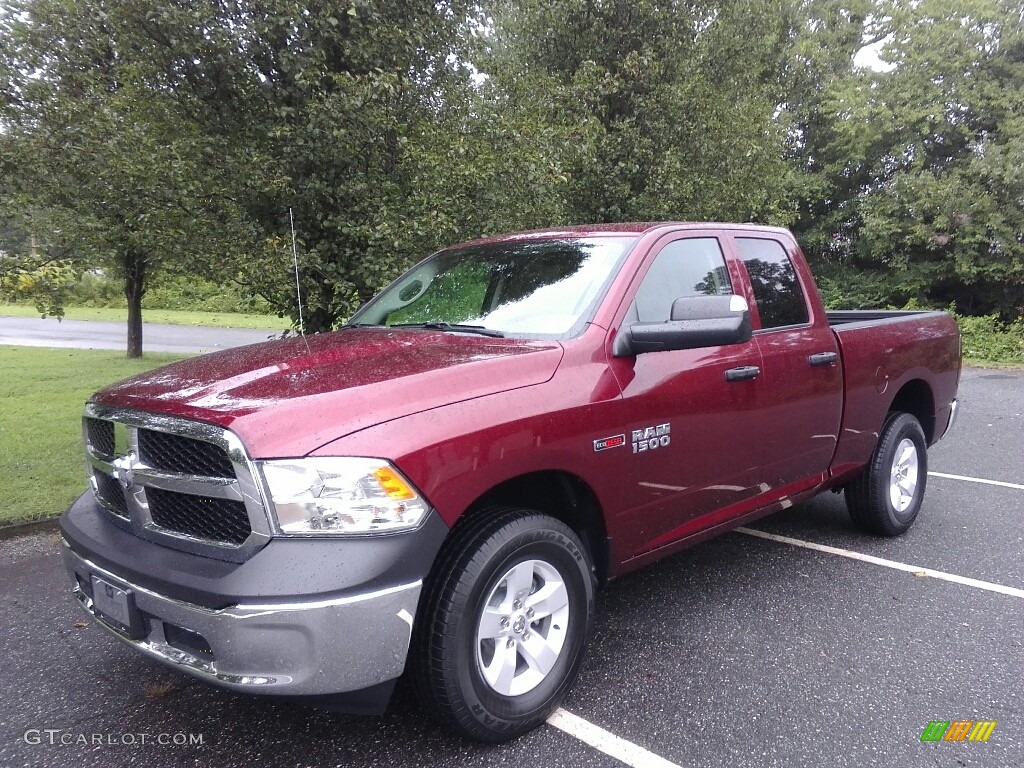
(116, 605)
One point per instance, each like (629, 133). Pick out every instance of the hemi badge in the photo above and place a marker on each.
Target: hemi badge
(617, 441)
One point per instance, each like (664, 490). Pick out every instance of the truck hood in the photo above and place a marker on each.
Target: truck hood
(287, 398)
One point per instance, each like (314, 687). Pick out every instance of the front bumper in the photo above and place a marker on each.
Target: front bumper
(312, 618)
(310, 648)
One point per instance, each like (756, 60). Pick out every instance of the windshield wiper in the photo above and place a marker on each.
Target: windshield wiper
(359, 325)
(454, 327)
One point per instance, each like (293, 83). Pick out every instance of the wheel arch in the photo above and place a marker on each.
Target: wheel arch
(916, 398)
(560, 494)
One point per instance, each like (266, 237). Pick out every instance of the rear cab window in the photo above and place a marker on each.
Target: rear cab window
(780, 298)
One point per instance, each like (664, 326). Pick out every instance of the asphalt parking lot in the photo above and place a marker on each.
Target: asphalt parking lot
(743, 651)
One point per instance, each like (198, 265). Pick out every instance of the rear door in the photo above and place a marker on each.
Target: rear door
(801, 393)
(693, 435)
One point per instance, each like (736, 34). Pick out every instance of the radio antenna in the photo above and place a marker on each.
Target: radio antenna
(298, 289)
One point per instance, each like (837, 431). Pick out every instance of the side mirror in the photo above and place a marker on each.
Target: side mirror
(696, 321)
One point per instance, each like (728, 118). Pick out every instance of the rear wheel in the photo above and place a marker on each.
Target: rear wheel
(504, 624)
(885, 499)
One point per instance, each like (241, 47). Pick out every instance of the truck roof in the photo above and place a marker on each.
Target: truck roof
(619, 228)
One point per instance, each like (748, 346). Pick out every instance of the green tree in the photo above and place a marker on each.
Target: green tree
(183, 135)
(96, 140)
(929, 161)
(342, 106)
(666, 108)
(32, 268)
(362, 119)
(816, 62)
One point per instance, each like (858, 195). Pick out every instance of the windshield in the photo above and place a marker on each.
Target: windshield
(533, 288)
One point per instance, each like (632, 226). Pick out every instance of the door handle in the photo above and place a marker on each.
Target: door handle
(823, 358)
(743, 373)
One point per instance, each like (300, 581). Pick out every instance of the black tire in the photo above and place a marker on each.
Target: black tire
(868, 498)
(448, 657)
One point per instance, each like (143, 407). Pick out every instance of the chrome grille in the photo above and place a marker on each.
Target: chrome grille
(187, 484)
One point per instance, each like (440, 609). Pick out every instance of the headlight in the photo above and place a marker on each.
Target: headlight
(341, 495)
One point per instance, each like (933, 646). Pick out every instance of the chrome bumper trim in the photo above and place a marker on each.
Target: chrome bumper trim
(298, 648)
(954, 411)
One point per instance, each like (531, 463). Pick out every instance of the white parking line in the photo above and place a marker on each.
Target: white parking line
(1000, 483)
(604, 741)
(636, 756)
(917, 570)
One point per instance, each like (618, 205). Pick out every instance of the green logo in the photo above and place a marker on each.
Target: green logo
(958, 730)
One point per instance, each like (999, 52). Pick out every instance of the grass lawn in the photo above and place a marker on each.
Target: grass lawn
(42, 392)
(169, 316)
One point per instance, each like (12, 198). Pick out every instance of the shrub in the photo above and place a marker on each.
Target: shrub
(197, 294)
(987, 339)
(176, 292)
(95, 289)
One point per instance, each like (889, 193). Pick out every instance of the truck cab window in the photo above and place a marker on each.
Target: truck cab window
(691, 267)
(777, 291)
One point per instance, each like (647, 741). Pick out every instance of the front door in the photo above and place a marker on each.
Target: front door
(693, 434)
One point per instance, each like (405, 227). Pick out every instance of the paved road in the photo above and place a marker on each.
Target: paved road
(739, 652)
(99, 334)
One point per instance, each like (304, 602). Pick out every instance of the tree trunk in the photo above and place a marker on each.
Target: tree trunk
(134, 288)
(323, 318)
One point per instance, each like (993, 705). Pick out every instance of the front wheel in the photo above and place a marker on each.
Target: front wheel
(504, 623)
(885, 499)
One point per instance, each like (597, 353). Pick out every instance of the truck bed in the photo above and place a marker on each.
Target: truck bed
(883, 352)
(861, 317)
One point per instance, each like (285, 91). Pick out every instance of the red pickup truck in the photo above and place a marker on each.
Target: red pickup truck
(442, 484)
